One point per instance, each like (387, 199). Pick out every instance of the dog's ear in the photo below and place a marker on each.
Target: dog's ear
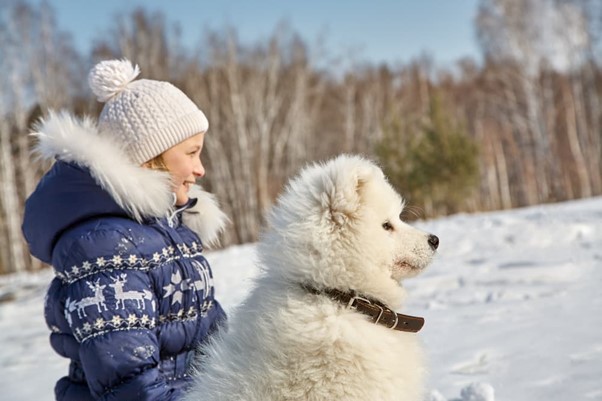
(344, 186)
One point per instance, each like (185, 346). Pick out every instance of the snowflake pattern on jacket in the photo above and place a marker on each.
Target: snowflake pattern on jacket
(133, 295)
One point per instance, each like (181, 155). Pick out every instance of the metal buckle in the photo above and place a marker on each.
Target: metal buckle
(351, 305)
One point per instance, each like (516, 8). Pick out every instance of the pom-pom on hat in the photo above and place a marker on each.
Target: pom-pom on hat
(146, 116)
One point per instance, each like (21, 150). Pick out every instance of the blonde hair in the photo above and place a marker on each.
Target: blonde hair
(156, 163)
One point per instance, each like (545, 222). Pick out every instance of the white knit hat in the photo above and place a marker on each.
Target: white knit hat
(147, 117)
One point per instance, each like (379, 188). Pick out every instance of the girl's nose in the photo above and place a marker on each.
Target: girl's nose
(199, 170)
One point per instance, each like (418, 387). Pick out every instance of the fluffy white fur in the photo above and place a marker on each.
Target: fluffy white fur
(287, 344)
(110, 77)
(205, 218)
(141, 192)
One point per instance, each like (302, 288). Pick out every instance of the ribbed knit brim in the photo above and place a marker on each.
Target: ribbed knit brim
(149, 117)
(153, 145)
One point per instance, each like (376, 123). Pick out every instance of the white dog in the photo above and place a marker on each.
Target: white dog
(318, 324)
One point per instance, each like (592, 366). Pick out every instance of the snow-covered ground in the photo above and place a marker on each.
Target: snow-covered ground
(513, 306)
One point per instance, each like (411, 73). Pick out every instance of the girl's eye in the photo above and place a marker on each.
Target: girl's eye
(387, 226)
(196, 151)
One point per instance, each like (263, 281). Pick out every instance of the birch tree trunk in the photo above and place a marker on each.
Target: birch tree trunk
(15, 249)
(572, 132)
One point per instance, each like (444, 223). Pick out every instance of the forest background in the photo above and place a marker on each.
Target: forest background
(521, 126)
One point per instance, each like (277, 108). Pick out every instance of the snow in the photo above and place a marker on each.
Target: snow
(512, 306)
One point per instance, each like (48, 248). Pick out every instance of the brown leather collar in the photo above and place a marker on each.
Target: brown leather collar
(376, 310)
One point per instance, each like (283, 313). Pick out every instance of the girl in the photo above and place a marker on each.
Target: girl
(120, 220)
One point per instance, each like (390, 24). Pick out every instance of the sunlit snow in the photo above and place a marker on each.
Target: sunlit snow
(512, 303)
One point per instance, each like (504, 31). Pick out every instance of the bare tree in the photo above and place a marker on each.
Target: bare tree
(533, 106)
(39, 71)
(146, 39)
(258, 104)
(513, 30)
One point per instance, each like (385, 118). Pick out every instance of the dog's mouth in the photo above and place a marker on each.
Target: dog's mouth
(405, 266)
(402, 269)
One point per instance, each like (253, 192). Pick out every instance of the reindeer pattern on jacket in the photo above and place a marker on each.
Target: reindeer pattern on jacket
(202, 285)
(98, 299)
(121, 296)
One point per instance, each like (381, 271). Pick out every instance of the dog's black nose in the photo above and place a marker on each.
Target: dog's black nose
(433, 241)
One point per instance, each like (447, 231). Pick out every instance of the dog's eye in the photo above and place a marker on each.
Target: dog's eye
(387, 226)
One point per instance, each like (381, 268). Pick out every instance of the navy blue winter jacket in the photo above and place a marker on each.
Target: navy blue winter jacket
(133, 295)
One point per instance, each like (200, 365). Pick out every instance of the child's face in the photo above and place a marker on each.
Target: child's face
(184, 164)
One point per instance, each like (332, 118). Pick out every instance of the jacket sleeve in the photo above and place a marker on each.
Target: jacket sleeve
(119, 349)
(112, 312)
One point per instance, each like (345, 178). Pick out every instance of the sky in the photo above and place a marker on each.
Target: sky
(378, 31)
(511, 302)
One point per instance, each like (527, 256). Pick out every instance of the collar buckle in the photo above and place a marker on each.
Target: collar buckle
(352, 302)
(370, 307)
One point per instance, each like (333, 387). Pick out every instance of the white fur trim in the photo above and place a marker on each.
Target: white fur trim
(141, 192)
(205, 218)
(110, 77)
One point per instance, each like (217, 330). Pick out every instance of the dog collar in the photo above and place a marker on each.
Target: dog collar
(376, 310)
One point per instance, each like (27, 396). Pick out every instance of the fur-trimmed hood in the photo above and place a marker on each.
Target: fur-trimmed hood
(92, 177)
